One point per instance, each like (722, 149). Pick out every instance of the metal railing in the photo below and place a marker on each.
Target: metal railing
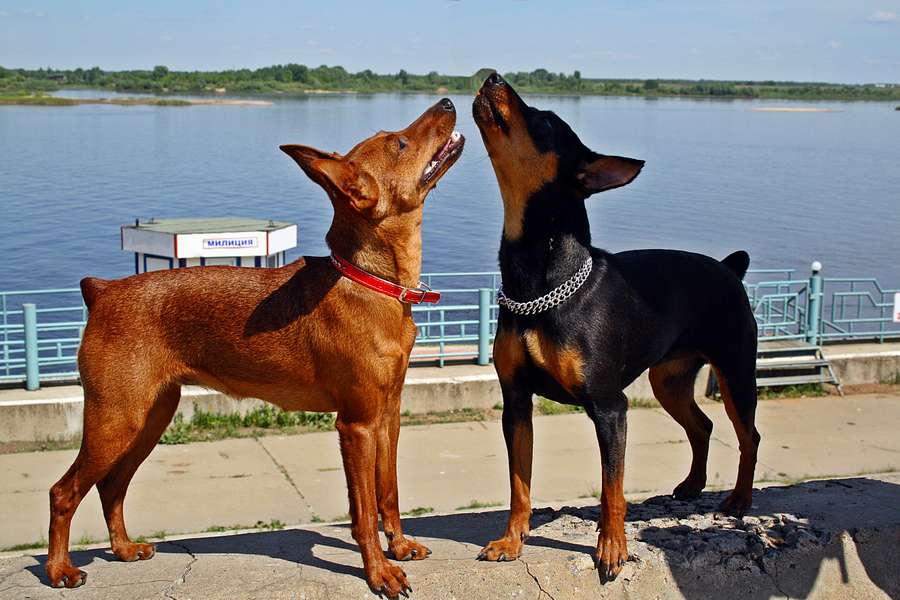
(42, 329)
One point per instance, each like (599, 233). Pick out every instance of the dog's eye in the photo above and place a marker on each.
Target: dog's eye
(402, 143)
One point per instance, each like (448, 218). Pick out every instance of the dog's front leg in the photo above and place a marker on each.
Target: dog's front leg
(359, 446)
(608, 415)
(517, 432)
(401, 547)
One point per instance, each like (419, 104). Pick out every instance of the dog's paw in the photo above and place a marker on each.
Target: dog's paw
(504, 549)
(612, 552)
(65, 576)
(688, 489)
(404, 548)
(736, 504)
(132, 551)
(387, 579)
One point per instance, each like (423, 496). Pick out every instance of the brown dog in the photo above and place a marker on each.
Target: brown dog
(302, 337)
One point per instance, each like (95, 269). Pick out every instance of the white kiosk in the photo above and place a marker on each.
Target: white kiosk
(173, 243)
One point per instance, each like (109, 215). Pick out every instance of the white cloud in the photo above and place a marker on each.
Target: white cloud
(883, 16)
(835, 44)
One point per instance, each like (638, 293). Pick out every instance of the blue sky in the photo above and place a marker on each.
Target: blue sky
(809, 40)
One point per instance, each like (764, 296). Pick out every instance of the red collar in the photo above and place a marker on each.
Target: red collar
(406, 295)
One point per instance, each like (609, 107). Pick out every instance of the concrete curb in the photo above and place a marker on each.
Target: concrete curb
(830, 540)
(24, 417)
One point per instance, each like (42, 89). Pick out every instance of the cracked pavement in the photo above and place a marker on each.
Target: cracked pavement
(828, 539)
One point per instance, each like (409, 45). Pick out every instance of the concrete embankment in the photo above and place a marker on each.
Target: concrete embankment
(55, 413)
(822, 540)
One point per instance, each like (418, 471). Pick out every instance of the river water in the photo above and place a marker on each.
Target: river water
(789, 187)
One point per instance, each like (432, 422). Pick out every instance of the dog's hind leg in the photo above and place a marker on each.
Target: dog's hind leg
(65, 496)
(116, 412)
(114, 485)
(105, 438)
(673, 386)
(737, 380)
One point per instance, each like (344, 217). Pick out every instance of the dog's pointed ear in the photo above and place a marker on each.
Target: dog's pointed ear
(336, 175)
(601, 173)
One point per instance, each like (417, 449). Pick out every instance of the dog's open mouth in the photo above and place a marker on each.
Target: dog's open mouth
(444, 157)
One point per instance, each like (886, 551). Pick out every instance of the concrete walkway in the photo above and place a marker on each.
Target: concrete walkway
(824, 540)
(299, 479)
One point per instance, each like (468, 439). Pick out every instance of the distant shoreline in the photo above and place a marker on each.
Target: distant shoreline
(794, 109)
(300, 80)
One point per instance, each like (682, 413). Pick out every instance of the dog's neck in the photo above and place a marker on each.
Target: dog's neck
(555, 242)
(390, 248)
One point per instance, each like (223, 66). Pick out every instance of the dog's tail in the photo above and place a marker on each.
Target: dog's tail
(91, 288)
(738, 262)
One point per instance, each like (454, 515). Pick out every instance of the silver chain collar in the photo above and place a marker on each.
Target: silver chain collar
(554, 297)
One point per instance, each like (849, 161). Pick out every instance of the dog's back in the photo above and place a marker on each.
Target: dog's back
(680, 301)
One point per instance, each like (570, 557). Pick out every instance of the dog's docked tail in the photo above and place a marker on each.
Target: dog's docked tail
(737, 262)
(91, 288)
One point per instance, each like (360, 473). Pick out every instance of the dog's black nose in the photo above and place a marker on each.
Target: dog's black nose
(447, 105)
(494, 79)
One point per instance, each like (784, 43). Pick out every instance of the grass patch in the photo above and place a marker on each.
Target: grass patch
(41, 543)
(45, 446)
(792, 391)
(206, 426)
(477, 504)
(546, 406)
(450, 416)
(418, 511)
(895, 379)
(86, 540)
(593, 492)
(272, 525)
(643, 403)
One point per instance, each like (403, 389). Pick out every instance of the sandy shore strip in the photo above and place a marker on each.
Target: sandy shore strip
(228, 102)
(41, 100)
(795, 109)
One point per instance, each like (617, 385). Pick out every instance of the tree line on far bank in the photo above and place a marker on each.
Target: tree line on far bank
(297, 79)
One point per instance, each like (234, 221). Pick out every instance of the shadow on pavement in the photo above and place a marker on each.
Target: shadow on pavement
(781, 545)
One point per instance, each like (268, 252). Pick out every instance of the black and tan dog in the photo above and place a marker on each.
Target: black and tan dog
(578, 324)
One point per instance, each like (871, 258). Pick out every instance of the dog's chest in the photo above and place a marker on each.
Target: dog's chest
(516, 352)
(565, 364)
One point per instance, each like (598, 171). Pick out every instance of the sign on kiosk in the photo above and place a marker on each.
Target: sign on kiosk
(897, 307)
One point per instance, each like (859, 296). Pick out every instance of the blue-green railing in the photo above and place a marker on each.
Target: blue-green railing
(40, 330)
